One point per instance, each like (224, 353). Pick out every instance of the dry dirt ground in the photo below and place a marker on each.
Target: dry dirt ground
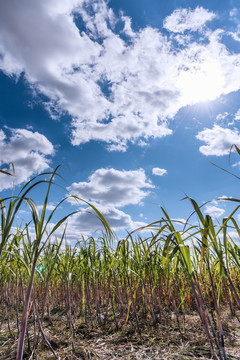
(105, 342)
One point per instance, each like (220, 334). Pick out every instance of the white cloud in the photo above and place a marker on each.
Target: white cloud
(109, 190)
(237, 164)
(214, 211)
(237, 115)
(159, 172)
(128, 26)
(223, 197)
(87, 221)
(114, 90)
(218, 140)
(180, 221)
(142, 143)
(110, 187)
(28, 151)
(233, 12)
(214, 202)
(234, 236)
(221, 116)
(186, 19)
(235, 35)
(49, 207)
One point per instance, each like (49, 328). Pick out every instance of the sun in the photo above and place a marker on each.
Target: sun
(204, 82)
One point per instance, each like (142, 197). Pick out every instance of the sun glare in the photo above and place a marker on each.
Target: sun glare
(202, 84)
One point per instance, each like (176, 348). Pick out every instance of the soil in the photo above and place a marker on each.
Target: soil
(104, 341)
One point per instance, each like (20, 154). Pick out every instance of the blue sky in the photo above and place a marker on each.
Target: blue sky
(135, 97)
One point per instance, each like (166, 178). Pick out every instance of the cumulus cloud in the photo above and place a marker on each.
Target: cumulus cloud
(111, 187)
(218, 140)
(186, 19)
(87, 222)
(236, 35)
(28, 151)
(221, 116)
(237, 115)
(214, 211)
(115, 90)
(109, 190)
(50, 207)
(233, 12)
(159, 172)
(223, 197)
